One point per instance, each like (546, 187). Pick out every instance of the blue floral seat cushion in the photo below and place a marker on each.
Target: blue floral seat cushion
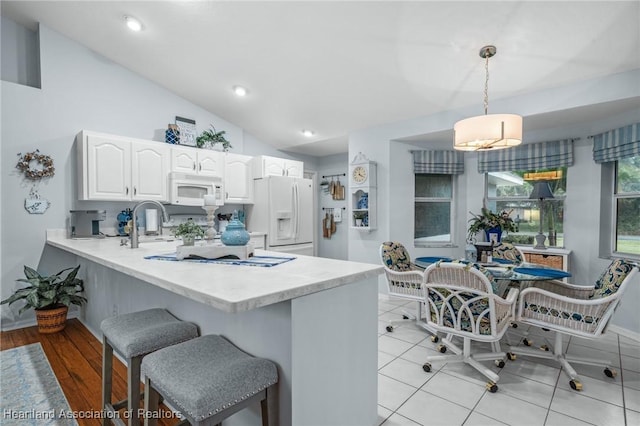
(611, 279)
(478, 307)
(396, 257)
(507, 251)
(552, 312)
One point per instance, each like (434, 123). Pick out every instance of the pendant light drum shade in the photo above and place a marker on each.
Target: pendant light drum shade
(485, 132)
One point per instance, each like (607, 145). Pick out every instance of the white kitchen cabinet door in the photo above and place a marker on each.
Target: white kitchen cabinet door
(293, 168)
(238, 179)
(273, 166)
(108, 171)
(210, 163)
(184, 160)
(200, 161)
(149, 171)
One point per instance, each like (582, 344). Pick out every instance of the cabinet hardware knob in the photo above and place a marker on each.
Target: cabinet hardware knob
(135, 190)
(126, 190)
(200, 167)
(194, 165)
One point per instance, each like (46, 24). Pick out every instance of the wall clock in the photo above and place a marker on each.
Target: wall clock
(359, 174)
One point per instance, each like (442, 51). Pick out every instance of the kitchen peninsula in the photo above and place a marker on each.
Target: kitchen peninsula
(315, 317)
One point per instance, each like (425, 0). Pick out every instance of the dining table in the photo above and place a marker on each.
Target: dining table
(523, 273)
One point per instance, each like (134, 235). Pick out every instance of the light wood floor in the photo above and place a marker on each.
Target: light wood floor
(75, 356)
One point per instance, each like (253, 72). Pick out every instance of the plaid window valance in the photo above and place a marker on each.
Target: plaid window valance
(532, 156)
(616, 144)
(438, 162)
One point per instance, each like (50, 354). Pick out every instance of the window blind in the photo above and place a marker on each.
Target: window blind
(438, 162)
(532, 156)
(617, 143)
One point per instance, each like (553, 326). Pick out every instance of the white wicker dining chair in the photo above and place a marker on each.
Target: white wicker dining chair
(404, 280)
(461, 301)
(574, 310)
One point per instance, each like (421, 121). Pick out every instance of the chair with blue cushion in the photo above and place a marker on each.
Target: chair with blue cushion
(574, 310)
(404, 280)
(508, 252)
(461, 302)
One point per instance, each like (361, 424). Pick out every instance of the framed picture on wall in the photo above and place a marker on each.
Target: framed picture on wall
(187, 129)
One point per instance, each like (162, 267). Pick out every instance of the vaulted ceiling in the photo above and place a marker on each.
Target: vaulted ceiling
(334, 67)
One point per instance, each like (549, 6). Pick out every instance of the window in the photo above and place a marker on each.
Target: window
(626, 204)
(433, 207)
(509, 191)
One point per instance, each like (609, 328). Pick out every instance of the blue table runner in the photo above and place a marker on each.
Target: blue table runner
(264, 261)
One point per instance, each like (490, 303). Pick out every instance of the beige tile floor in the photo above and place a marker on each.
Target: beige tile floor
(531, 391)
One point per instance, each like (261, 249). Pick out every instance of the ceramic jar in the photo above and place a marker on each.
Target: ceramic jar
(235, 234)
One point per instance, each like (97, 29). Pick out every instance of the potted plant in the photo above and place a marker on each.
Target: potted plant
(359, 218)
(209, 138)
(188, 230)
(50, 297)
(491, 223)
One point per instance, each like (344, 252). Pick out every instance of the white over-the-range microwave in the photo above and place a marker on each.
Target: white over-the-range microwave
(189, 189)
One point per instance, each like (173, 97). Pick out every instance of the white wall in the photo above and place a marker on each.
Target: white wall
(80, 90)
(582, 208)
(336, 246)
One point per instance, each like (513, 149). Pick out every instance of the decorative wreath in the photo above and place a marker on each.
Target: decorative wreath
(24, 165)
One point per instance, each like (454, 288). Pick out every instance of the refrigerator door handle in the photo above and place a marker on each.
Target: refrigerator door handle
(296, 212)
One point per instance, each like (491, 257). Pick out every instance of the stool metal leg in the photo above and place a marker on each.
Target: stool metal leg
(264, 405)
(107, 372)
(151, 402)
(133, 389)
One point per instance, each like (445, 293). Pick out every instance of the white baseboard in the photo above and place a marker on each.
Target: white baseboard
(624, 332)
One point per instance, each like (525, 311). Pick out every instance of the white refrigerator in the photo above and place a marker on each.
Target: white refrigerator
(283, 209)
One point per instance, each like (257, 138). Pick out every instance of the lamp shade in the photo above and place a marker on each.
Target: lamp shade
(541, 190)
(485, 132)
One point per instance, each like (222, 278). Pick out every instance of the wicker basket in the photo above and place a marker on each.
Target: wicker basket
(52, 320)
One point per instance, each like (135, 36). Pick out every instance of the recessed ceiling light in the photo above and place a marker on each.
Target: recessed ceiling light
(239, 90)
(133, 23)
(308, 133)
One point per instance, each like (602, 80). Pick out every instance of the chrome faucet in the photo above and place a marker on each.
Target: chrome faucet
(134, 227)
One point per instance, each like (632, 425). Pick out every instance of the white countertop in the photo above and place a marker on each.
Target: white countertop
(230, 288)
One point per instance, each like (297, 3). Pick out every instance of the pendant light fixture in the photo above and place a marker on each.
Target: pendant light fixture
(488, 131)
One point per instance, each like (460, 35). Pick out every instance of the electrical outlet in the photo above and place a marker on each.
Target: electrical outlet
(115, 310)
(337, 215)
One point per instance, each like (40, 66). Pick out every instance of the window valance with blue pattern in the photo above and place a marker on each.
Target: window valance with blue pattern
(617, 144)
(532, 156)
(438, 162)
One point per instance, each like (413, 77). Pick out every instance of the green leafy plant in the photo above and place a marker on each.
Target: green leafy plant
(211, 137)
(188, 229)
(359, 215)
(48, 292)
(488, 219)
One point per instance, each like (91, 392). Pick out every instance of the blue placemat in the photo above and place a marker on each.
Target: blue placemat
(543, 272)
(264, 261)
(433, 259)
(503, 261)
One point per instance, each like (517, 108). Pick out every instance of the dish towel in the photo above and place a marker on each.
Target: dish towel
(543, 272)
(264, 261)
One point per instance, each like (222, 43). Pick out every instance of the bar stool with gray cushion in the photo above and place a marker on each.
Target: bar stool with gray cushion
(133, 336)
(207, 379)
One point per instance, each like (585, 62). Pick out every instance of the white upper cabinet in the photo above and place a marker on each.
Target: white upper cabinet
(204, 162)
(238, 180)
(116, 168)
(149, 169)
(264, 166)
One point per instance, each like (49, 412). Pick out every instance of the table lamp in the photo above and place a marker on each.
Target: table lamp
(541, 190)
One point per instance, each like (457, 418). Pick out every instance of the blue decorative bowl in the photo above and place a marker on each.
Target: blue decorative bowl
(235, 234)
